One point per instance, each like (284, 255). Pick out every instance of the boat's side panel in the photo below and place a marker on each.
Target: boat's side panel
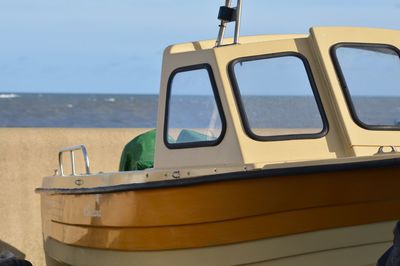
(359, 245)
(223, 212)
(363, 141)
(207, 155)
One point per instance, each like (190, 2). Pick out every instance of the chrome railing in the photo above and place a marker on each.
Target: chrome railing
(73, 165)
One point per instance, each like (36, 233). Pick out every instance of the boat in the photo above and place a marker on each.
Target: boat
(269, 150)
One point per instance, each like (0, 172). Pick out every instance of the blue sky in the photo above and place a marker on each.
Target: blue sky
(115, 46)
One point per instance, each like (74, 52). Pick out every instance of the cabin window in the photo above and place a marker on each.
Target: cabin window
(277, 97)
(370, 77)
(194, 116)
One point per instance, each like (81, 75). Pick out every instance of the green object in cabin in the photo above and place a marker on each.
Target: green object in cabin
(138, 154)
(188, 135)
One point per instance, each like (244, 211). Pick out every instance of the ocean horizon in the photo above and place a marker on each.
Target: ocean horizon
(140, 110)
(78, 110)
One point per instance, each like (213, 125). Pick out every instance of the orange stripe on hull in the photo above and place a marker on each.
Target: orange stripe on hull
(223, 212)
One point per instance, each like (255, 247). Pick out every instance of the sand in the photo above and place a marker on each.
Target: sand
(27, 155)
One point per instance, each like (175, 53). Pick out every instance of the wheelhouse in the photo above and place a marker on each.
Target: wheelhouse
(283, 98)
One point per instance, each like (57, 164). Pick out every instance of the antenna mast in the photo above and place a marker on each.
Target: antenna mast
(229, 14)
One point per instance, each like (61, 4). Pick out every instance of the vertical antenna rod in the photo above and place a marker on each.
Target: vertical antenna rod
(222, 26)
(237, 25)
(229, 14)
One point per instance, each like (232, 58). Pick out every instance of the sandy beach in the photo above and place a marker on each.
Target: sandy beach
(27, 155)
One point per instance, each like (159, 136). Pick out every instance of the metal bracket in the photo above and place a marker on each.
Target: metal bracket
(71, 150)
(227, 14)
(381, 150)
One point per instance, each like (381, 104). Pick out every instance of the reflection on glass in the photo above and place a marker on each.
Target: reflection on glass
(193, 114)
(372, 77)
(277, 97)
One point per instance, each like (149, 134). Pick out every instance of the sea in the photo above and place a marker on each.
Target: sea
(78, 110)
(140, 111)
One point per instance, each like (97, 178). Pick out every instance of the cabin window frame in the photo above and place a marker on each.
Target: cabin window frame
(344, 87)
(217, 98)
(245, 123)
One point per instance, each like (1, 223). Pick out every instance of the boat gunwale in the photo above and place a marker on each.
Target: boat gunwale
(230, 176)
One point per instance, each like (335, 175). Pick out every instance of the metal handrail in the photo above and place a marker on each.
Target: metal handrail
(71, 150)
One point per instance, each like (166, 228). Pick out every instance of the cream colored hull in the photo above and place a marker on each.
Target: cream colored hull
(356, 245)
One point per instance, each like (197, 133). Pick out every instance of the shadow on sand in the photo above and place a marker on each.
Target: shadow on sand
(18, 253)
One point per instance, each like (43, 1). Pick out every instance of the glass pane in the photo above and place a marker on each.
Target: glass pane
(193, 112)
(277, 97)
(372, 77)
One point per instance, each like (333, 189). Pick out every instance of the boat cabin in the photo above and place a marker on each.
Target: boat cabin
(278, 99)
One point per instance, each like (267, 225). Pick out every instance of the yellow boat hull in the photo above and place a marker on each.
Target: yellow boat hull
(218, 214)
(357, 245)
